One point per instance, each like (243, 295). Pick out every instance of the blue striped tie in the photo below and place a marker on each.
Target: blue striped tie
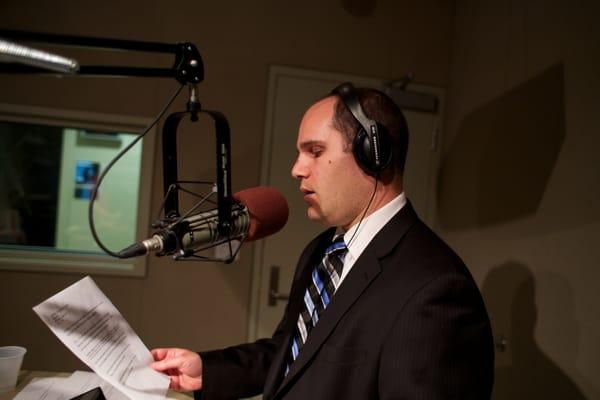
(325, 281)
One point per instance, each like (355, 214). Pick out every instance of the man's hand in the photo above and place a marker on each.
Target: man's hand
(184, 367)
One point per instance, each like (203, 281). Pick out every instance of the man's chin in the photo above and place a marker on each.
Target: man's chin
(315, 216)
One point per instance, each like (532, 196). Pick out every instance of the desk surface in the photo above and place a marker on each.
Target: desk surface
(26, 376)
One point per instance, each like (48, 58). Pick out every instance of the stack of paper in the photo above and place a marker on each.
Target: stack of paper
(66, 388)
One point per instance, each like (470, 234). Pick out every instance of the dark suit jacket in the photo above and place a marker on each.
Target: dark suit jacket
(408, 322)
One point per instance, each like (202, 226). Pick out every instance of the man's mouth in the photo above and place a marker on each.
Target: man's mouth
(306, 192)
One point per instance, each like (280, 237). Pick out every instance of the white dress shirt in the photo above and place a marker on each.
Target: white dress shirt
(367, 229)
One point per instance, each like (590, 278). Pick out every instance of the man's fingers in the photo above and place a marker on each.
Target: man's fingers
(159, 354)
(175, 384)
(163, 365)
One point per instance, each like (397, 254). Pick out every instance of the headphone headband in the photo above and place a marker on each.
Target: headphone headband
(348, 95)
(369, 147)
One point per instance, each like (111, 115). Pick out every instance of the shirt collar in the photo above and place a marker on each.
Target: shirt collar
(370, 226)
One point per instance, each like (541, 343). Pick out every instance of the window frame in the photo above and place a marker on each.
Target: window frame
(40, 259)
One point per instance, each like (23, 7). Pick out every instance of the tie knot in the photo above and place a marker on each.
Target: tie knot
(338, 247)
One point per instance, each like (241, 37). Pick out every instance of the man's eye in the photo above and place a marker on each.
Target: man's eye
(316, 151)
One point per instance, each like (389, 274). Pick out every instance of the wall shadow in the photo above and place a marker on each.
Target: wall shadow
(523, 371)
(500, 162)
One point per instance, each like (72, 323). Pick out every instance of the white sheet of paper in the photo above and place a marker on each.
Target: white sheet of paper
(89, 325)
(84, 381)
(57, 388)
(46, 389)
(66, 388)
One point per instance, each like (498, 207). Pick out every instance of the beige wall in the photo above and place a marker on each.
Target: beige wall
(197, 305)
(519, 186)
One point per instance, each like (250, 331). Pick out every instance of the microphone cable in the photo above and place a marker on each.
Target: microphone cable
(364, 213)
(110, 165)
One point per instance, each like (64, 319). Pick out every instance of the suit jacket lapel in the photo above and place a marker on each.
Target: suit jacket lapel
(363, 272)
(305, 265)
(366, 268)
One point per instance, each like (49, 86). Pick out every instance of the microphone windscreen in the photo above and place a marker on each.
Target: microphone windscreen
(268, 210)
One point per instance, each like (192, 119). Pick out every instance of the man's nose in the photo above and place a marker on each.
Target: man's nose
(299, 170)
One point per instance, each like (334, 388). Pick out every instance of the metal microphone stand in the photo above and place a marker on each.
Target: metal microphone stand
(187, 69)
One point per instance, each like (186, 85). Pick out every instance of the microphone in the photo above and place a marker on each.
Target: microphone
(259, 212)
(26, 55)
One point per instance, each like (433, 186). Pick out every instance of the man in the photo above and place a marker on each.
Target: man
(390, 312)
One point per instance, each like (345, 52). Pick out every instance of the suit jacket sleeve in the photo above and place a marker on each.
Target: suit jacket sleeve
(236, 372)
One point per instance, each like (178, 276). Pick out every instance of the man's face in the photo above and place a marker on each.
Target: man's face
(334, 187)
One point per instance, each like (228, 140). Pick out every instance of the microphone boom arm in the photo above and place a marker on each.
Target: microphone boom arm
(187, 68)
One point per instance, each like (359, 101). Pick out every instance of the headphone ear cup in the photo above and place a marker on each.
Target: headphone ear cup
(363, 152)
(361, 147)
(385, 147)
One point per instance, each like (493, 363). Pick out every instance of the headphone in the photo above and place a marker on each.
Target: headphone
(372, 145)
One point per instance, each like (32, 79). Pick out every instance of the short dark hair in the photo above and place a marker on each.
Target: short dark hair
(380, 108)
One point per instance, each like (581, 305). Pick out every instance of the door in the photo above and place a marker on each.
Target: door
(291, 92)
